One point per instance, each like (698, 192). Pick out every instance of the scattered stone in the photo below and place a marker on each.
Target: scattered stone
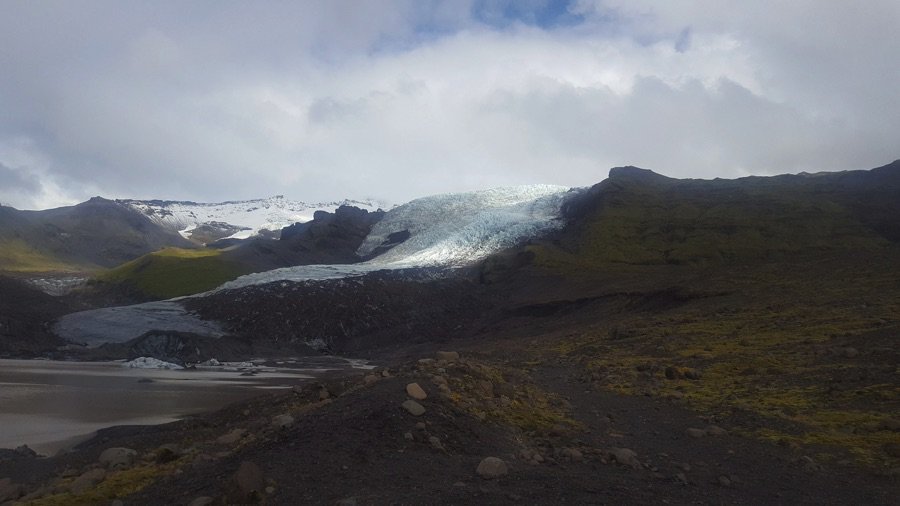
(117, 502)
(626, 457)
(449, 356)
(270, 490)
(851, 352)
(250, 482)
(681, 478)
(571, 454)
(408, 436)
(692, 374)
(202, 501)
(283, 421)
(324, 394)
(485, 388)
(438, 380)
(413, 407)
(167, 453)
(724, 481)
(349, 501)
(426, 361)
(715, 430)
(87, 481)
(435, 443)
(492, 467)
(420, 425)
(118, 458)
(695, 433)
(231, 437)
(416, 392)
(368, 379)
(10, 491)
(809, 464)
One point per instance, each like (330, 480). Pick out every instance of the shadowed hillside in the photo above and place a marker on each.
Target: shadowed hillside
(96, 233)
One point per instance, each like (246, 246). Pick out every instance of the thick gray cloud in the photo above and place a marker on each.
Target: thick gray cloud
(212, 100)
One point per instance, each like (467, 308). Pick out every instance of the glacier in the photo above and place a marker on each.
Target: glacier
(446, 232)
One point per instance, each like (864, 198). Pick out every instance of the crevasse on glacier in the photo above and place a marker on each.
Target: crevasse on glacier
(449, 230)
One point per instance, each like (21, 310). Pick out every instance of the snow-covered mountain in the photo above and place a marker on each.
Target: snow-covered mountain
(237, 219)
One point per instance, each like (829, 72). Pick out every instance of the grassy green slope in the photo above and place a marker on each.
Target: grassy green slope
(171, 272)
(784, 298)
(664, 221)
(17, 256)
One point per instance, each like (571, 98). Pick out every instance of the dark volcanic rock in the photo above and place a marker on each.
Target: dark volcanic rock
(344, 315)
(25, 313)
(330, 238)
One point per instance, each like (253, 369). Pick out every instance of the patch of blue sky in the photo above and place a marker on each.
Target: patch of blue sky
(545, 14)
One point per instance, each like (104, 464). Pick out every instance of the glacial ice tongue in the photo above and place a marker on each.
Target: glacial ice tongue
(450, 230)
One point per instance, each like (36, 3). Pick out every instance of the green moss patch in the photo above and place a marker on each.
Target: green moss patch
(173, 272)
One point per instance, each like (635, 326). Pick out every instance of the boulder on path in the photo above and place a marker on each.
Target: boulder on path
(416, 392)
(492, 467)
(118, 458)
(413, 407)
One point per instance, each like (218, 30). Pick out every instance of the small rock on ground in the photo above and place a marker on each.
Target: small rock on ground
(449, 356)
(416, 392)
(492, 467)
(283, 421)
(249, 480)
(118, 458)
(87, 480)
(626, 457)
(695, 433)
(231, 437)
(714, 430)
(201, 501)
(413, 407)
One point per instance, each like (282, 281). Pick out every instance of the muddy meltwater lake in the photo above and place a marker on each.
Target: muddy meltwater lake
(50, 405)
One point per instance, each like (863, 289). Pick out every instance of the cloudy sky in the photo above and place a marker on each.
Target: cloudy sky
(213, 99)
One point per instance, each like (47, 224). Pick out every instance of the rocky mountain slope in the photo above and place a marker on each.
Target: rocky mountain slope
(209, 222)
(96, 233)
